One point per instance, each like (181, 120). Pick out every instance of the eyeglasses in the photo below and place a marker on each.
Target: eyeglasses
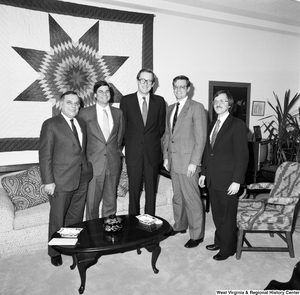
(107, 92)
(144, 81)
(179, 87)
(221, 102)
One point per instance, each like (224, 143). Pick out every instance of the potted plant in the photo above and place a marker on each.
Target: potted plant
(284, 130)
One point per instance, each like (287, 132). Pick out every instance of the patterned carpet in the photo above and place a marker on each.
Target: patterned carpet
(181, 271)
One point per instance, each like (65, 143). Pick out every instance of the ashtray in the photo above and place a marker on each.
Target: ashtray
(112, 223)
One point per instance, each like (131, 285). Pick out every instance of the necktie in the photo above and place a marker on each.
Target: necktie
(75, 132)
(175, 116)
(106, 130)
(214, 135)
(144, 110)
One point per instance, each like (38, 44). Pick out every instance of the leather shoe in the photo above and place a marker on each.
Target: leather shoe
(175, 232)
(212, 247)
(56, 260)
(193, 243)
(219, 257)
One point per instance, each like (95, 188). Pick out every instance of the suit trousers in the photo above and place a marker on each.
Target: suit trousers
(102, 188)
(224, 211)
(66, 208)
(187, 205)
(136, 174)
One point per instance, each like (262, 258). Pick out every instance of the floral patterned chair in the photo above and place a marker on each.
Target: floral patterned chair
(273, 213)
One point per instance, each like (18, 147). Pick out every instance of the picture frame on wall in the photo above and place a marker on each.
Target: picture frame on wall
(258, 108)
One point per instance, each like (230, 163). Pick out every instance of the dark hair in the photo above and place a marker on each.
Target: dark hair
(182, 77)
(67, 93)
(99, 84)
(146, 70)
(228, 95)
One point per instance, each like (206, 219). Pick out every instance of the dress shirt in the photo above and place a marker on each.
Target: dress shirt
(181, 104)
(222, 120)
(79, 132)
(99, 110)
(141, 100)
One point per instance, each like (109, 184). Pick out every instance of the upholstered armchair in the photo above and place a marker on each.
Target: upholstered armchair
(273, 213)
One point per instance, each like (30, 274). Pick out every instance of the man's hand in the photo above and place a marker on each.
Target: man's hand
(166, 164)
(233, 188)
(191, 170)
(202, 181)
(49, 189)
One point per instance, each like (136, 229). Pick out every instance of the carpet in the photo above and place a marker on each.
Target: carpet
(181, 270)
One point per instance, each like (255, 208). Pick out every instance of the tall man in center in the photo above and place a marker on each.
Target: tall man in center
(105, 130)
(184, 144)
(144, 115)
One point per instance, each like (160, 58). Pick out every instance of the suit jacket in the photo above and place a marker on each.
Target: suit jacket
(61, 160)
(227, 161)
(139, 137)
(98, 149)
(186, 144)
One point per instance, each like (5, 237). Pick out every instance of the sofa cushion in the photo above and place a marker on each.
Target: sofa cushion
(25, 189)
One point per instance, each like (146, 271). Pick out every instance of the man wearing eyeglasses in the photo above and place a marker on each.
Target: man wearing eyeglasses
(144, 114)
(224, 166)
(184, 143)
(105, 130)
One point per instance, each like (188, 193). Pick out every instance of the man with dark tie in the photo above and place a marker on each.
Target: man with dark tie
(184, 143)
(105, 130)
(224, 166)
(144, 115)
(65, 171)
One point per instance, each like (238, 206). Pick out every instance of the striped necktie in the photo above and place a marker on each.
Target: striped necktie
(215, 132)
(175, 116)
(75, 132)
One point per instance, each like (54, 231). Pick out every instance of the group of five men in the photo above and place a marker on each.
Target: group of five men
(80, 157)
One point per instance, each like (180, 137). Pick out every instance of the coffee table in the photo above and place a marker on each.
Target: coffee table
(94, 242)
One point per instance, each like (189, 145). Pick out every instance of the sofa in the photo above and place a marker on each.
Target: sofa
(24, 225)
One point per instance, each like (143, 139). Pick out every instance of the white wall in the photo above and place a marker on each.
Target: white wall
(209, 51)
(209, 45)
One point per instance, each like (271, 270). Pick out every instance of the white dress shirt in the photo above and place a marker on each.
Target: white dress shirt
(181, 104)
(79, 132)
(222, 120)
(99, 110)
(141, 100)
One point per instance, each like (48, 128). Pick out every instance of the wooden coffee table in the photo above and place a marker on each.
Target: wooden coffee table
(94, 242)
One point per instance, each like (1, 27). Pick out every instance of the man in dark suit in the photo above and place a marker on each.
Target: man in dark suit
(224, 167)
(64, 169)
(103, 151)
(184, 143)
(144, 115)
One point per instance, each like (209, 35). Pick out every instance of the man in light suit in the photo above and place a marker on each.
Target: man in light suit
(64, 169)
(224, 166)
(103, 151)
(144, 115)
(184, 144)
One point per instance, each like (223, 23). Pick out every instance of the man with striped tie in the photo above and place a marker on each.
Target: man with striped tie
(224, 166)
(184, 143)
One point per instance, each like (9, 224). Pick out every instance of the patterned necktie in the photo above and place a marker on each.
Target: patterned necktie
(106, 130)
(175, 116)
(214, 135)
(144, 111)
(75, 132)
